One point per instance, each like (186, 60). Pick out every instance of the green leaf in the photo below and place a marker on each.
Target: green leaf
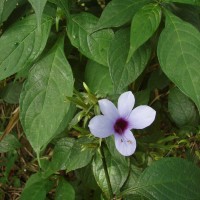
(188, 13)
(36, 188)
(67, 118)
(158, 80)
(11, 92)
(21, 44)
(98, 79)
(145, 21)
(38, 7)
(179, 55)
(42, 101)
(64, 191)
(70, 154)
(135, 197)
(86, 176)
(142, 97)
(9, 143)
(94, 45)
(181, 108)
(192, 2)
(114, 153)
(123, 73)
(117, 171)
(134, 174)
(169, 178)
(119, 12)
(6, 8)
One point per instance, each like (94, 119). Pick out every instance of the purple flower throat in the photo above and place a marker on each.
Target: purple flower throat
(120, 126)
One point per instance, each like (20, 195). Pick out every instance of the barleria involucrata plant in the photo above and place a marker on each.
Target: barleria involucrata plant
(65, 64)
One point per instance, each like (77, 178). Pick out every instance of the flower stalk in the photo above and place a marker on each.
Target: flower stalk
(106, 172)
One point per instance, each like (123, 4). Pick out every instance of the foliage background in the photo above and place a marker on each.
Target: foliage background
(58, 57)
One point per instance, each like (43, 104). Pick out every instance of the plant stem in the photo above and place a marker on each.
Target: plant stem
(106, 171)
(38, 159)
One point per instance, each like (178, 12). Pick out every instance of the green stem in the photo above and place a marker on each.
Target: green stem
(38, 159)
(106, 171)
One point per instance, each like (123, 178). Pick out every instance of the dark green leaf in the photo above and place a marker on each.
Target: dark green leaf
(135, 197)
(6, 8)
(11, 92)
(179, 55)
(94, 45)
(133, 176)
(70, 154)
(98, 79)
(21, 44)
(192, 2)
(85, 174)
(38, 7)
(9, 143)
(118, 172)
(169, 178)
(36, 188)
(142, 97)
(42, 102)
(188, 13)
(158, 80)
(67, 118)
(145, 21)
(119, 12)
(181, 108)
(64, 191)
(132, 180)
(123, 73)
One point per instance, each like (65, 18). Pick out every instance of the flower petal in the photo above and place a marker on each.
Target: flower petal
(141, 117)
(126, 143)
(108, 109)
(126, 102)
(100, 126)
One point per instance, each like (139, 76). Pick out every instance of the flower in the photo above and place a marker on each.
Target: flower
(120, 121)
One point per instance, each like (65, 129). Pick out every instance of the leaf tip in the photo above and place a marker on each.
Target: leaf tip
(130, 54)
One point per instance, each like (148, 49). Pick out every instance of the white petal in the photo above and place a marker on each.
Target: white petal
(100, 126)
(141, 117)
(108, 109)
(126, 102)
(126, 143)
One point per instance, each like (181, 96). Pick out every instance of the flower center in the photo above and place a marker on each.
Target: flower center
(120, 126)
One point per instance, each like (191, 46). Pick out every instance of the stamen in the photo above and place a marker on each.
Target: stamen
(129, 141)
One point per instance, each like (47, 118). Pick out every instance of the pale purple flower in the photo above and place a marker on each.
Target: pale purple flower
(120, 121)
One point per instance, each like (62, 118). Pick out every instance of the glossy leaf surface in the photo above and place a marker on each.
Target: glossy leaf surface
(118, 12)
(123, 73)
(93, 44)
(169, 178)
(179, 55)
(145, 21)
(182, 109)
(43, 100)
(38, 7)
(21, 44)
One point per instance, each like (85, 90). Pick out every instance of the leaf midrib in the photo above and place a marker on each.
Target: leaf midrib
(182, 54)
